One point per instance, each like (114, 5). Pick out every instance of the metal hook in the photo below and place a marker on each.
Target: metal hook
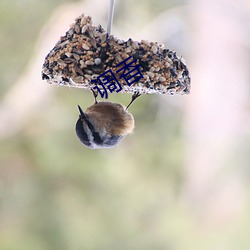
(110, 15)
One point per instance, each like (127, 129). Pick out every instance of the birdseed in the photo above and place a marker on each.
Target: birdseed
(87, 51)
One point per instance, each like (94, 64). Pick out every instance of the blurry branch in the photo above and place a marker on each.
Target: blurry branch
(166, 25)
(216, 120)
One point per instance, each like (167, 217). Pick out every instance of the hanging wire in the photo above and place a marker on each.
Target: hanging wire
(110, 15)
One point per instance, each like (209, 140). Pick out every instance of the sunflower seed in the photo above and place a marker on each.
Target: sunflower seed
(88, 62)
(85, 46)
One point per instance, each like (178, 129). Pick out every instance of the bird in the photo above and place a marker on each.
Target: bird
(104, 124)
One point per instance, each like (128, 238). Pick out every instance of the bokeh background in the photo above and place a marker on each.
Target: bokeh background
(180, 182)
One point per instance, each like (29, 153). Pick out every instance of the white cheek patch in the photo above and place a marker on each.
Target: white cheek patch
(89, 133)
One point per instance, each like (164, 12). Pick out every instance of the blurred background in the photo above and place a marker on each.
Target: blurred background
(180, 182)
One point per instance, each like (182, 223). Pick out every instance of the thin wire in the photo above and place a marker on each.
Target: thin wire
(110, 15)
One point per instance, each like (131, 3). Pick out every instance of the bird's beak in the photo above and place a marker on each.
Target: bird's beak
(82, 115)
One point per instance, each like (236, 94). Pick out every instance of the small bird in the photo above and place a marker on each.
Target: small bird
(104, 124)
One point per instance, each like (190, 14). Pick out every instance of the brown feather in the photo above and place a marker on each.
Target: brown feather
(111, 117)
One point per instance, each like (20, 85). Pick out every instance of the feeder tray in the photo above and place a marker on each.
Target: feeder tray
(87, 51)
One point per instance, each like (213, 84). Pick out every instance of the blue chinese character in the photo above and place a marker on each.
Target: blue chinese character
(107, 79)
(128, 76)
(101, 92)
